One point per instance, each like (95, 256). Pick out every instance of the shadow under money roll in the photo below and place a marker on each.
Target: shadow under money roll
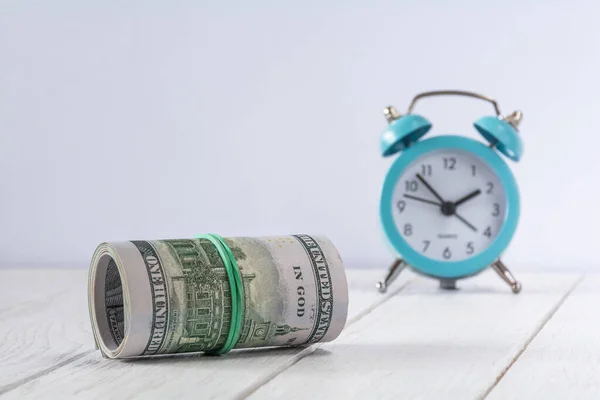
(211, 294)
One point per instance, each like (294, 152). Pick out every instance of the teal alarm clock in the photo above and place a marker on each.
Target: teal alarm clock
(450, 204)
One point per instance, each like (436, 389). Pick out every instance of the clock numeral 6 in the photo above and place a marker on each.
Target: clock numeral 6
(401, 205)
(447, 253)
(470, 248)
(408, 229)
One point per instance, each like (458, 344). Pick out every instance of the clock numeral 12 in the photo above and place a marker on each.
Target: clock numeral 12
(449, 163)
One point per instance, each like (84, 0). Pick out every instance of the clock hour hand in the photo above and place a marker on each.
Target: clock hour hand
(428, 186)
(467, 197)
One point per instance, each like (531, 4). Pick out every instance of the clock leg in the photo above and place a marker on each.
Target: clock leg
(392, 274)
(506, 276)
(448, 284)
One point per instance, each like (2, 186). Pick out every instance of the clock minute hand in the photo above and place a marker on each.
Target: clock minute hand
(428, 186)
(435, 203)
(467, 197)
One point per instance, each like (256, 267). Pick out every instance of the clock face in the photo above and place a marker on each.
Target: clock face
(449, 205)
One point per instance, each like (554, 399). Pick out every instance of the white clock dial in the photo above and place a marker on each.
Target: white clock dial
(466, 215)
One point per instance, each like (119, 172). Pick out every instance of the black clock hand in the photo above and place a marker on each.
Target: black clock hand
(435, 203)
(465, 222)
(428, 186)
(451, 207)
(467, 197)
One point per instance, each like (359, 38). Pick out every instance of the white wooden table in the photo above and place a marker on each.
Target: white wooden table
(415, 342)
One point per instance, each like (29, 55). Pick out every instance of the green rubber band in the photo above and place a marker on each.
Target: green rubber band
(237, 292)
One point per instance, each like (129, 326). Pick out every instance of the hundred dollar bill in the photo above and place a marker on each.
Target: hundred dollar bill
(169, 296)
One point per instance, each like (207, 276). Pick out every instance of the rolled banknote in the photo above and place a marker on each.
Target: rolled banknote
(155, 297)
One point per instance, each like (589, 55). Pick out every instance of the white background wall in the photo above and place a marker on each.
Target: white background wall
(149, 120)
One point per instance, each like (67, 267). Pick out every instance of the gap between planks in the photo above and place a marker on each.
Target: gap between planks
(535, 333)
(39, 374)
(309, 350)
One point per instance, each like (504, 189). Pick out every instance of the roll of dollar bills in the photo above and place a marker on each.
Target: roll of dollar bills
(210, 294)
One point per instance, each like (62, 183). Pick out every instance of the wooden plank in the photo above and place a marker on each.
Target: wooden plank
(46, 325)
(563, 360)
(90, 376)
(423, 344)
(22, 289)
